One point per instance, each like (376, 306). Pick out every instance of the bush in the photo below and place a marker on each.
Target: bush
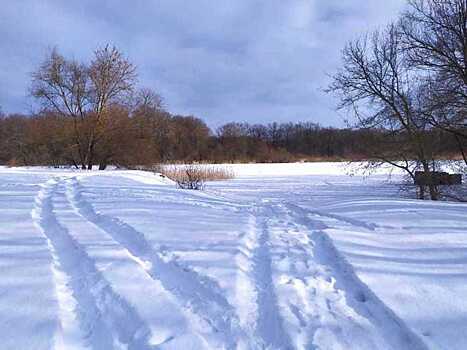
(194, 176)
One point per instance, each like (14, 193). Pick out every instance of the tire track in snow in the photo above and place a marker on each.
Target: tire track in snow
(89, 310)
(197, 293)
(269, 320)
(313, 303)
(245, 288)
(265, 316)
(339, 218)
(358, 295)
(329, 219)
(195, 201)
(70, 334)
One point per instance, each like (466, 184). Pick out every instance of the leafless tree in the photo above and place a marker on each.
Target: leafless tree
(147, 99)
(84, 92)
(153, 122)
(112, 79)
(434, 33)
(378, 84)
(62, 85)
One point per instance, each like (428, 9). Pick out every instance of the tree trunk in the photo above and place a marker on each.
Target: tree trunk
(90, 153)
(461, 148)
(75, 164)
(421, 195)
(432, 187)
(103, 165)
(433, 192)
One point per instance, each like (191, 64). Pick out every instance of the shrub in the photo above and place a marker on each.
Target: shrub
(194, 176)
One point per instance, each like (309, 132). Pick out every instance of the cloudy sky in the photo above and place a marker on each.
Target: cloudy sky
(221, 60)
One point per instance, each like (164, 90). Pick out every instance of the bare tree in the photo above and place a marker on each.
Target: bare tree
(378, 84)
(153, 123)
(62, 85)
(147, 100)
(84, 92)
(434, 34)
(112, 79)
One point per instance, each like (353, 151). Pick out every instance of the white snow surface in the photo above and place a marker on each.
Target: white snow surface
(285, 256)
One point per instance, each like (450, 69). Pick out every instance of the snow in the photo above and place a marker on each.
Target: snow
(285, 256)
(300, 169)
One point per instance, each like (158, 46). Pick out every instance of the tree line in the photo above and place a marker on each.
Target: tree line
(148, 135)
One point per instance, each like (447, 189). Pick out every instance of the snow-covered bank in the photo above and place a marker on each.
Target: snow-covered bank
(285, 256)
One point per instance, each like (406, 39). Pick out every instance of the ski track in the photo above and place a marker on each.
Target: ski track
(200, 294)
(355, 293)
(90, 313)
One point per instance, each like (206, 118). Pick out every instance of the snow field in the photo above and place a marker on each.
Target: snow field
(311, 260)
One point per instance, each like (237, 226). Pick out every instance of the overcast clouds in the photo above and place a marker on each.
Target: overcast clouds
(224, 60)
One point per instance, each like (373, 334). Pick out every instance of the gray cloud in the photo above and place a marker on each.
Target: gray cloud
(247, 60)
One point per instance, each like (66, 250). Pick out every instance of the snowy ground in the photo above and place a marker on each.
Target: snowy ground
(283, 257)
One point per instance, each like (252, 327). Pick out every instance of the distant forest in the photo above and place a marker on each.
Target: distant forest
(149, 135)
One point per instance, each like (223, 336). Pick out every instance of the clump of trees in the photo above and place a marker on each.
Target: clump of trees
(409, 81)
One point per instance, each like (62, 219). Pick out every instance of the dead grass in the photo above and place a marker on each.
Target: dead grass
(194, 176)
